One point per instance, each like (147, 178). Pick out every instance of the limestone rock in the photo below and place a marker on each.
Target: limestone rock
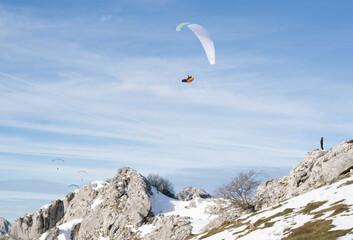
(4, 226)
(32, 226)
(190, 193)
(169, 227)
(124, 201)
(318, 168)
(105, 209)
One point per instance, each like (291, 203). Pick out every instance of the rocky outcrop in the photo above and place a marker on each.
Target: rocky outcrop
(190, 193)
(318, 168)
(32, 226)
(124, 201)
(105, 209)
(4, 227)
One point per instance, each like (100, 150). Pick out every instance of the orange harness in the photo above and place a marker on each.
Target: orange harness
(188, 80)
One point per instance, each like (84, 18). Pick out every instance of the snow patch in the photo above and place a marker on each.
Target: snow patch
(46, 206)
(161, 204)
(103, 238)
(96, 202)
(66, 229)
(145, 229)
(43, 236)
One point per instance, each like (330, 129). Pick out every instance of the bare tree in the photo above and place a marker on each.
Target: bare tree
(163, 185)
(241, 189)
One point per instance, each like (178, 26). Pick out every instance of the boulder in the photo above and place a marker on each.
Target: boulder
(190, 193)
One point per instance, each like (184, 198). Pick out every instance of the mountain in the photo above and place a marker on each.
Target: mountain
(125, 208)
(313, 201)
(4, 227)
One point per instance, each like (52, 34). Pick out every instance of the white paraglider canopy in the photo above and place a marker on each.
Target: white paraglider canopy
(204, 38)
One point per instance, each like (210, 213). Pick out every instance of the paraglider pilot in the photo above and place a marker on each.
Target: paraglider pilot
(322, 143)
(189, 79)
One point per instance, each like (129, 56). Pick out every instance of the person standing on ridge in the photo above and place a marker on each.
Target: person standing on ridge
(322, 143)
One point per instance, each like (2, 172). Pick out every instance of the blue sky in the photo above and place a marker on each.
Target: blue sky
(97, 83)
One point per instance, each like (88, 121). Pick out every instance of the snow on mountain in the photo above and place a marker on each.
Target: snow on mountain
(196, 210)
(66, 229)
(327, 210)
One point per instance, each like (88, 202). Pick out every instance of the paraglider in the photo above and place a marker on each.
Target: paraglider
(81, 172)
(74, 185)
(189, 79)
(204, 38)
(57, 160)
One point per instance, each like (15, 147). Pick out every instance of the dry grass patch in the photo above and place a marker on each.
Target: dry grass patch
(337, 209)
(224, 226)
(277, 206)
(346, 183)
(342, 200)
(286, 230)
(318, 229)
(191, 236)
(265, 220)
(312, 206)
(268, 224)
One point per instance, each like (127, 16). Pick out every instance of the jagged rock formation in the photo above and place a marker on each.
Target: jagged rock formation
(104, 209)
(4, 227)
(318, 168)
(31, 226)
(190, 193)
(113, 210)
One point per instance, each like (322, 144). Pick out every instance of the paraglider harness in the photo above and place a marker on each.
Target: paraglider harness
(188, 79)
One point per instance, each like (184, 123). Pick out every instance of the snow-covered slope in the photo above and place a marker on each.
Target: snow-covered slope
(197, 210)
(325, 212)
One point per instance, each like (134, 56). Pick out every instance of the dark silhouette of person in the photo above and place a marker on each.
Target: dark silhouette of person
(322, 143)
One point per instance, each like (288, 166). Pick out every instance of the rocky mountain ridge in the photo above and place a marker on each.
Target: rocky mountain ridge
(120, 209)
(318, 168)
(129, 208)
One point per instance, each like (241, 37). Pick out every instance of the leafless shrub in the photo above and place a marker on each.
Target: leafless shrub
(240, 189)
(163, 185)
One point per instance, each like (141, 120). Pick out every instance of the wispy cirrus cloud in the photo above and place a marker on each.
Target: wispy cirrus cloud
(122, 101)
